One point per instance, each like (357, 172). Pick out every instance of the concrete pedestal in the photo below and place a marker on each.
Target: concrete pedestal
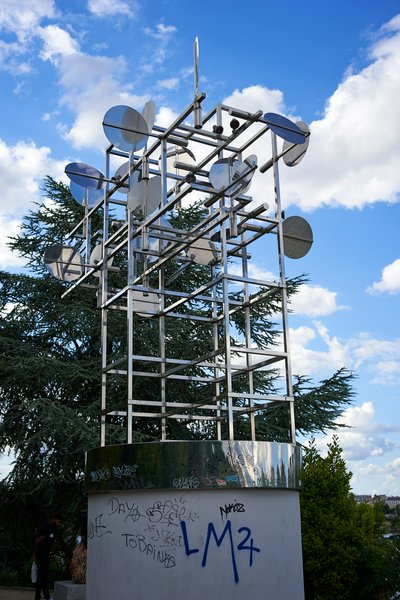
(67, 590)
(226, 526)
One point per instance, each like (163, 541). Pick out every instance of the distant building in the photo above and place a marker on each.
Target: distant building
(393, 501)
(363, 498)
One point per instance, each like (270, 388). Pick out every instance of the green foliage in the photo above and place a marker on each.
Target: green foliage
(50, 365)
(345, 554)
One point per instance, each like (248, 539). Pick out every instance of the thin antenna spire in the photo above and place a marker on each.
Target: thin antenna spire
(196, 67)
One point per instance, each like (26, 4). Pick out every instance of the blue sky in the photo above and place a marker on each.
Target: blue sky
(335, 65)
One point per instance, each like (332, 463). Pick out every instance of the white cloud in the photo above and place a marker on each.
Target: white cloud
(390, 280)
(57, 42)
(22, 169)
(314, 301)
(22, 17)
(91, 85)
(168, 84)
(354, 152)
(166, 116)
(6, 460)
(162, 34)
(106, 8)
(363, 438)
(9, 228)
(366, 349)
(316, 352)
(328, 354)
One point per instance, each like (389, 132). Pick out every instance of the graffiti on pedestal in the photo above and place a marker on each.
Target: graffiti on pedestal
(167, 532)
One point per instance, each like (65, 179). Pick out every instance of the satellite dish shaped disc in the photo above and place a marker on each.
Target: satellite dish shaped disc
(176, 155)
(297, 237)
(96, 256)
(85, 176)
(86, 196)
(125, 128)
(296, 153)
(143, 303)
(203, 252)
(149, 114)
(120, 174)
(225, 171)
(284, 128)
(146, 194)
(63, 262)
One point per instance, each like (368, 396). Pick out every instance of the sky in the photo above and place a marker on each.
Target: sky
(335, 65)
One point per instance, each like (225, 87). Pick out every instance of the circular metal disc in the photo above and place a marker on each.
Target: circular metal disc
(178, 155)
(120, 173)
(226, 171)
(284, 128)
(203, 252)
(84, 196)
(143, 303)
(125, 127)
(296, 153)
(145, 194)
(95, 257)
(63, 262)
(85, 175)
(149, 114)
(297, 237)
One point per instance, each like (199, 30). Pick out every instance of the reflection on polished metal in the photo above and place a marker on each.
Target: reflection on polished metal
(96, 257)
(125, 128)
(85, 176)
(232, 176)
(203, 252)
(237, 464)
(86, 196)
(146, 194)
(63, 262)
(297, 237)
(145, 258)
(284, 128)
(293, 154)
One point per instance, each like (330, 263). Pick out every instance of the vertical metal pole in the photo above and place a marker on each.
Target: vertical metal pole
(285, 324)
(104, 312)
(87, 231)
(129, 318)
(227, 332)
(247, 317)
(217, 370)
(161, 286)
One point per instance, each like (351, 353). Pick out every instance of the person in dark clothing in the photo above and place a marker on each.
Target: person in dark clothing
(43, 544)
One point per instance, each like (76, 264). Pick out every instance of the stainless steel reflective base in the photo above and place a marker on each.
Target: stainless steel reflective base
(193, 465)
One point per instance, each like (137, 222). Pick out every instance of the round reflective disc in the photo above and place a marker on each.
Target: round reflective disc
(284, 128)
(175, 156)
(146, 194)
(297, 237)
(125, 127)
(85, 175)
(149, 114)
(63, 262)
(145, 304)
(295, 154)
(86, 196)
(96, 256)
(203, 252)
(225, 171)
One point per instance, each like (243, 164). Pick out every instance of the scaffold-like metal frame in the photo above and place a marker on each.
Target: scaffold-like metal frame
(146, 246)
